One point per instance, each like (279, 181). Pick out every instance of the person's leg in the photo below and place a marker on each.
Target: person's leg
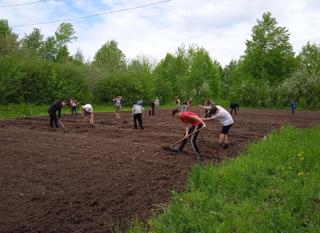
(221, 139)
(55, 120)
(183, 143)
(140, 120)
(149, 111)
(135, 117)
(91, 119)
(231, 111)
(224, 132)
(152, 111)
(235, 111)
(51, 120)
(193, 141)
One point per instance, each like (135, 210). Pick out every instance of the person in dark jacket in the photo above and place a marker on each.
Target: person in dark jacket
(234, 106)
(151, 108)
(53, 110)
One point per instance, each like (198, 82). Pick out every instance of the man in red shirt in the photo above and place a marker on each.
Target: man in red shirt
(196, 125)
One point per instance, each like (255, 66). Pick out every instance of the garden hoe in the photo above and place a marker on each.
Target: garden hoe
(171, 148)
(62, 125)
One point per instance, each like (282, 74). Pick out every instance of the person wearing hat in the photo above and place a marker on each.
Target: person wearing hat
(224, 117)
(137, 111)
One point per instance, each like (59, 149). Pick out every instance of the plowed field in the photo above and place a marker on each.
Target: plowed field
(84, 179)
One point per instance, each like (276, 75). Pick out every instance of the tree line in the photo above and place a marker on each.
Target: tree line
(35, 69)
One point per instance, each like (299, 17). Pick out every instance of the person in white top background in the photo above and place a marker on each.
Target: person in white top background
(87, 113)
(137, 110)
(224, 117)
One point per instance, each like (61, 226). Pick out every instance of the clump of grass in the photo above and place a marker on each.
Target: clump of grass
(272, 187)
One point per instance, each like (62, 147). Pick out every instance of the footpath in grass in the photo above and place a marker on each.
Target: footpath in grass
(272, 187)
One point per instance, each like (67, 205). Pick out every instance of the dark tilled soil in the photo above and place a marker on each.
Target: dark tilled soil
(84, 179)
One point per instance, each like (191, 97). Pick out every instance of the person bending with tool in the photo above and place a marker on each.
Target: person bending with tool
(53, 109)
(191, 132)
(87, 114)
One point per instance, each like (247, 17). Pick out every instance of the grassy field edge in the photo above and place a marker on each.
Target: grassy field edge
(271, 187)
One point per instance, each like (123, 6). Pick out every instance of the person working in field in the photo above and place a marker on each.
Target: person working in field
(177, 102)
(137, 111)
(53, 109)
(208, 105)
(117, 104)
(189, 104)
(190, 118)
(152, 106)
(293, 106)
(87, 113)
(73, 104)
(234, 106)
(222, 115)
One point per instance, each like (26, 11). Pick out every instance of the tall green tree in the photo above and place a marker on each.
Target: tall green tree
(269, 54)
(8, 39)
(33, 42)
(309, 58)
(110, 58)
(204, 76)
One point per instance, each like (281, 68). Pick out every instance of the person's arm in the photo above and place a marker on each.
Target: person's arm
(132, 110)
(200, 120)
(209, 118)
(186, 134)
(205, 107)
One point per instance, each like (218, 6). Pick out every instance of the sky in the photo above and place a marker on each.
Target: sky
(219, 26)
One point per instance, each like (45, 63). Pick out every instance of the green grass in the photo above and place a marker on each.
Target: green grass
(24, 110)
(272, 187)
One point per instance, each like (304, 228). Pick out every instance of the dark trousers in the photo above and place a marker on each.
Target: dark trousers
(235, 110)
(151, 111)
(53, 119)
(74, 110)
(137, 117)
(193, 139)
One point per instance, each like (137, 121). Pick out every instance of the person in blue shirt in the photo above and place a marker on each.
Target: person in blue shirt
(293, 106)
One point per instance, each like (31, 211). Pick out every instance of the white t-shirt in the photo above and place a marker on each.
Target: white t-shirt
(223, 116)
(137, 109)
(87, 108)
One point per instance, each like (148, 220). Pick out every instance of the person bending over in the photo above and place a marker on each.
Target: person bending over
(224, 117)
(53, 110)
(87, 114)
(190, 118)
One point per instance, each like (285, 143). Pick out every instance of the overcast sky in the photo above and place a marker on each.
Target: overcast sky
(220, 26)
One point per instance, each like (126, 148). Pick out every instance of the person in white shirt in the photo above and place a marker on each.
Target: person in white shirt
(87, 113)
(224, 117)
(137, 110)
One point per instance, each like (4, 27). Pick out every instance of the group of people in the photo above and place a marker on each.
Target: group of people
(54, 111)
(194, 123)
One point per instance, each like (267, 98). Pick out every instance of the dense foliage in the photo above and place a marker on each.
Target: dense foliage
(38, 70)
